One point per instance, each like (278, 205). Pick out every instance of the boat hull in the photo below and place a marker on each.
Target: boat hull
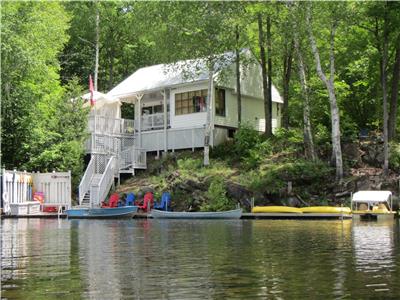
(230, 214)
(275, 209)
(92, 213)
(326, 210)
(373, 215)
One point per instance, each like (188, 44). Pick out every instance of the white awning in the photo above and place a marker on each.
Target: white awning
(372, 196)
(100, 99)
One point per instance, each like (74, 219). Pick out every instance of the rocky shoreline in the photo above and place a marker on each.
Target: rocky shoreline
(189, 189)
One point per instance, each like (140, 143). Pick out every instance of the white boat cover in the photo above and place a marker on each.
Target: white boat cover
(372, 196)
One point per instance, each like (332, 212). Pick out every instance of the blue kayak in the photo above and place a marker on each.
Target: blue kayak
(115, 212)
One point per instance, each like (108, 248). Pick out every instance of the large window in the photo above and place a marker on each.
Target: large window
(220, 102)
(190, 102)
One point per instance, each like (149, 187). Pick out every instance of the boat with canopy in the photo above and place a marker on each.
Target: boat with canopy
(374, 205)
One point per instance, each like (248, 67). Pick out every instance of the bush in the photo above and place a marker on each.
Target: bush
(245, 139)
(394, 158)
(225, 150)
(285, 140)
(274, 177)
(190, 163)
(257, 154)
(322, 135)
(216, 194)
(348, 129)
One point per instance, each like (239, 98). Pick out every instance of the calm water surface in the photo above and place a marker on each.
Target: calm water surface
(175, 259)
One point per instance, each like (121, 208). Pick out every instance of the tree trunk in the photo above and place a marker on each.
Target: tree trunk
(307, 131)
(269, 74)
(239, 95)
(383, 65)
(207, 133)
(287, 70)
(335, 119)
(267, 127)
(394, 93)
(111, 69)
(96, 66)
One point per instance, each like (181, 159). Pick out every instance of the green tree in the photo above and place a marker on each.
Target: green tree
(29, 66)
(43, 123)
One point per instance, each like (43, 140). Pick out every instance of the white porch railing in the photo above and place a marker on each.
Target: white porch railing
(177, 138)
(99, 192)
(106, 125)
(86, 180)
(132, 157)
(154, 121)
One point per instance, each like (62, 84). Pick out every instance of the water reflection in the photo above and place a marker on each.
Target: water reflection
(374, 249)
(156, 259)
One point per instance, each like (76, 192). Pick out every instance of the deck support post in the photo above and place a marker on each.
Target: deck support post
(139, 98)
(165, 121)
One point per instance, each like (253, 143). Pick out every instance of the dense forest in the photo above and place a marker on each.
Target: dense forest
(336, 65)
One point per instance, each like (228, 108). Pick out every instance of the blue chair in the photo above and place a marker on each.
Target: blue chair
(165, 202)
(130, 199)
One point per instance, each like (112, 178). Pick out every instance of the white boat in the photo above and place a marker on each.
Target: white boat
(228, 214)
(372, 205)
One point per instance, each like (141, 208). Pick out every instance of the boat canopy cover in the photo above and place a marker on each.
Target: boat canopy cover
(372, 196)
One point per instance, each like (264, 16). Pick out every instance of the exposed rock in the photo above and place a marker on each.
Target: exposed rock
(292, 201)
(351, 151)
(239, 193)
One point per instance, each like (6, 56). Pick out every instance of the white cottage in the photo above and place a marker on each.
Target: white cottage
(170, 113)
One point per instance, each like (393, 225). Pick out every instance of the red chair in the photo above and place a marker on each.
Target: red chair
(147, 202)
(112, 202)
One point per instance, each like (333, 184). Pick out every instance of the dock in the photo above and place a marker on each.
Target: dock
(43, 215)
(246, 216)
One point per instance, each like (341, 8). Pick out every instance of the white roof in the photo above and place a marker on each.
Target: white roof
(153, 77)
(371, 196)
(167, 75)
(100, 99)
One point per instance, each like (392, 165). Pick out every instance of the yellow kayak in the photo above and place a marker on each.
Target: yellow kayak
(326, 210)
(275, 209)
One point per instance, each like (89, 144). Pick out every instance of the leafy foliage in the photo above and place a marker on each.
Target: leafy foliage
(272, 178)
(245, 139)
(218, 201)
(395, 156)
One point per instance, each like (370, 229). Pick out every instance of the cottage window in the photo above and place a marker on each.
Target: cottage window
(220, 102)
(190, 102)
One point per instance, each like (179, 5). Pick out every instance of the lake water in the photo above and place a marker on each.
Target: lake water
(200, 259)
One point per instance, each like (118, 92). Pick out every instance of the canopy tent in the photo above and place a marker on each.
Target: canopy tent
(372, 196)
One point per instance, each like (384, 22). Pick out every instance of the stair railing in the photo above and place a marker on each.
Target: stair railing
(139, 158)
(99, 192)
(132, 157)
(84, 185)
(125, 158)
